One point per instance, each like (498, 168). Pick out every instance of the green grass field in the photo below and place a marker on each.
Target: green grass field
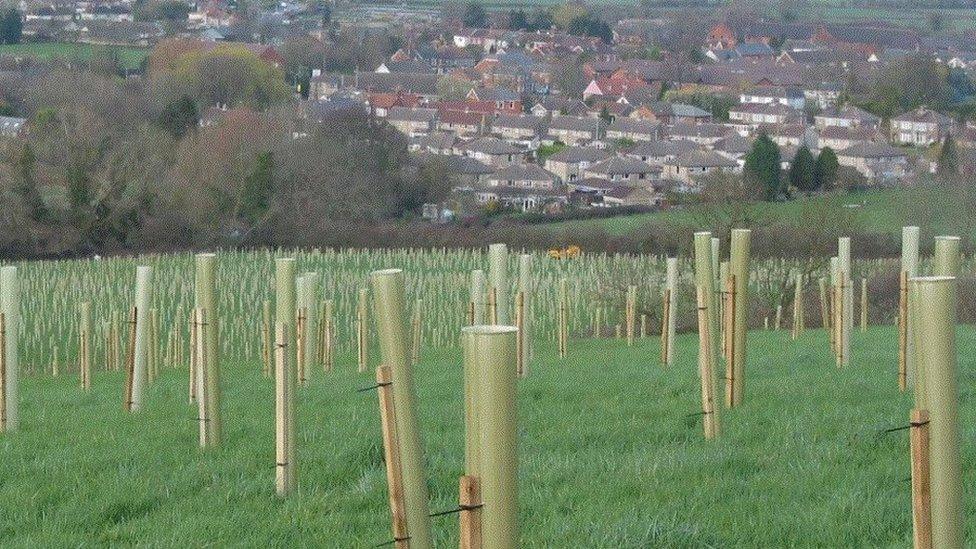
(130, 57)
(937, 209)
(610, 455)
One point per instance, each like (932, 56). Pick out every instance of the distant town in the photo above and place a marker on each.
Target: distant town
(570, 107)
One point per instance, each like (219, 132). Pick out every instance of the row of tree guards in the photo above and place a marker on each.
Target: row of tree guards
(298, 333)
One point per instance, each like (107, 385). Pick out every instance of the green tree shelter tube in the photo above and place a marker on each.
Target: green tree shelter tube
(909, 264)
(498, 279)
(946, 260)
(703, 279)
(285, 317)
(140, 353)
(10, 306)
(394, 337)
(206, 299)
(494, 350)
(478, 296)
(739, 267)
(935, 299)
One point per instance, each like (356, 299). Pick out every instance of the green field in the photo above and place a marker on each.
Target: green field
(610, 455)
(938, 209)
(130, 57)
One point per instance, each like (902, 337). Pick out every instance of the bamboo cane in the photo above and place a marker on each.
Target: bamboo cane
(203, 401)
(909, 265)
(730, 369)
(362, 331)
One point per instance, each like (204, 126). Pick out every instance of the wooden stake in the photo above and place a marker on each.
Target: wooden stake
(301, 344)
(921, 494)
(193, 359)
(520, 338)
(362, 331)
(130, 362)
(84, 346)
(903, 332)
(391, 453)
(470, 517)
(864, 305)
(266, 344)
(417, 334)
(665, 328)
(730, 337)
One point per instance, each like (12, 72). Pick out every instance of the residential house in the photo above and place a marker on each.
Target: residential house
(522, 130)
(774, 95)
(620, 169)
(574, 130)
(505, 100)
(921, 127)
(661, 152)
(570, 163)
(627, 195)
(876, 161)
(522, 199)
(790, 135)
(491, 151)
(703, 134)
(469, 171)
(412, 122)
(463, 124)
(671, 113)
(634, 130)
(734, 147)
(847, 116)
(842, 137)
(690, 166)
(747, 117)
(524, 176)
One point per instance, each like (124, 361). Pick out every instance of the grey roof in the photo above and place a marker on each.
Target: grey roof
(411, 82)
(704, 159)
(735, 144)
(660, 149)
(438, 140)
(849, 112)
(631, 125)
(699, 130)
(411, 114)
(574, 155)
(489, 145)
(522, 172)
(619, 165)
(522, 122)
(465, 165)
(871, 150)
(923, 114)
(576, 123)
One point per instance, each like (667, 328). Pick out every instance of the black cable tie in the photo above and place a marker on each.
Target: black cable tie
(281, 464)
(450, 512)
(895, 429)
(392, 541)
(696, 414)
(918, 423)
(371, 387)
